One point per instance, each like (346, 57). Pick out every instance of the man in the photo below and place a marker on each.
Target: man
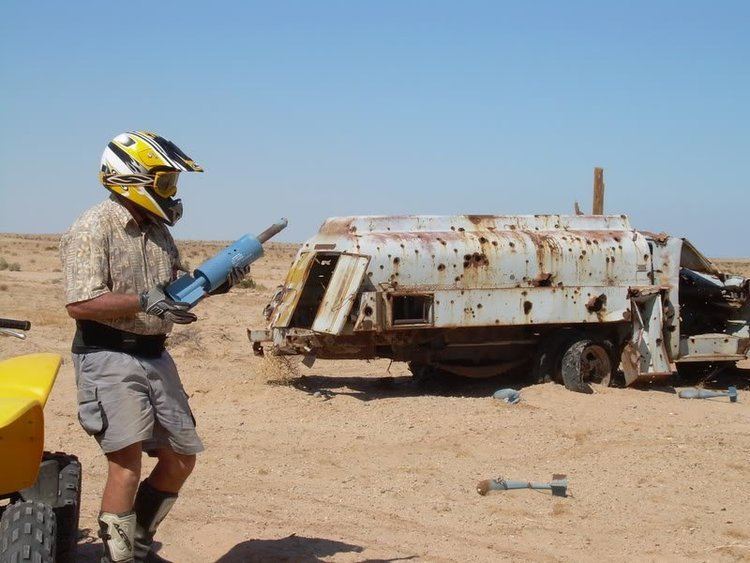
(117, 258)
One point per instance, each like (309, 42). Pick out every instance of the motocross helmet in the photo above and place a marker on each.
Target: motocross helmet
(143, 167)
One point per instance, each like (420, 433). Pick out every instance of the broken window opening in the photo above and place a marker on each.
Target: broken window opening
(411, 310)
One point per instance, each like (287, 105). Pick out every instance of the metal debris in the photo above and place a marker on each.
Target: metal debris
(731, 392)
(558, 485)
(508, 395)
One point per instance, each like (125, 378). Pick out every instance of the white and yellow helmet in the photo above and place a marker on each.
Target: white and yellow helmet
(143, 168)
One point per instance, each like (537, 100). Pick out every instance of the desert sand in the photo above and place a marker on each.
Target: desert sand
(348, 461)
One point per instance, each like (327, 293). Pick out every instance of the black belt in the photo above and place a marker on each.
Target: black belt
(92, 336)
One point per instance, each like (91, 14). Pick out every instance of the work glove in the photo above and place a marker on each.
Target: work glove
(236, 275)
(156, 302)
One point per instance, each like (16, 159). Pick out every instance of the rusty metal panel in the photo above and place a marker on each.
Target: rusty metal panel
(370, 311)
(295, 280)
(340, 294)
(666, 252)
(532, 305)
(645, 356)
(711, 348)
(493, 252)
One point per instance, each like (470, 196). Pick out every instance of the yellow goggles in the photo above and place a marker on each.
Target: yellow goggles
(165, 183)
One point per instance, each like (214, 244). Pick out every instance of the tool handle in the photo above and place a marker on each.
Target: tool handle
(16, 325)
(272, 231)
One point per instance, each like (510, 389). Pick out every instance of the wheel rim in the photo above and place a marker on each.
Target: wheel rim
(596, 365)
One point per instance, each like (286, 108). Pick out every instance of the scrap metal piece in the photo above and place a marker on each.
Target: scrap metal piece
(508, 395)
(693, 393)
(558, 485)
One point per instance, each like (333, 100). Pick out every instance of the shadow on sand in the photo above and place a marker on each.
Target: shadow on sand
(369, 388)
(293, 548)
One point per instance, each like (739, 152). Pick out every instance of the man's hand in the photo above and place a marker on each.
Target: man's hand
(237, 275)
(156, 302)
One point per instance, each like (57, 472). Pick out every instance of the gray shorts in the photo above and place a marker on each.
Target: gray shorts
(124, 399)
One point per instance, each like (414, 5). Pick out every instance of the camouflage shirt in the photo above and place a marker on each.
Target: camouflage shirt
(107, 251)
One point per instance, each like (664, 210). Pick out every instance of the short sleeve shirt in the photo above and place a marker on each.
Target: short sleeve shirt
(107, 251)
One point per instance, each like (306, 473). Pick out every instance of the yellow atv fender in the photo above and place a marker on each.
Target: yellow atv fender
(25, 384)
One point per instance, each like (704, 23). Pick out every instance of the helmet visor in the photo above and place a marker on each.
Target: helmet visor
(165, 183)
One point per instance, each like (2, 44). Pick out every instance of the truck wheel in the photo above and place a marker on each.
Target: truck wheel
(586, 361)
(548, 357)
(27, 533)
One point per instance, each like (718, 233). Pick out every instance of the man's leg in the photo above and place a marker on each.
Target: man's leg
(117, 520)
(156, 496)
(171, 471)
(123, 476)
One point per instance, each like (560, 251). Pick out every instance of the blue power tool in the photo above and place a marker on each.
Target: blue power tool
(214, 271)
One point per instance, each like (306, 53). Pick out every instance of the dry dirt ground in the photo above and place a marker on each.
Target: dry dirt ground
(373, 469)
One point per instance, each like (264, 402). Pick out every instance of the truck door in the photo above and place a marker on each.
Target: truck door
(340, 294)
(645, 356)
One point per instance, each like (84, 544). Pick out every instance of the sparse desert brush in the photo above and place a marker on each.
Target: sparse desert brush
(14, 267)
(3, 287)
(51, 247)
(249, 283)
(3, 263)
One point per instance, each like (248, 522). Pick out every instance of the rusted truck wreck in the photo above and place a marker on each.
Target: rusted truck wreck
(566, 298)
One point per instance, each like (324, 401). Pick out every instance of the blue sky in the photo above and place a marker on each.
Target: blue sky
(315, 109)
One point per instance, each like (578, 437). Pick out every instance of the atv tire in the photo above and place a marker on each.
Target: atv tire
(27, 533)
(59, 486)
(68, 507)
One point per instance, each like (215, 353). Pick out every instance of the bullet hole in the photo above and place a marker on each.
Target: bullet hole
(479, 305)
(441, 267)
(467, 256)
(368, 311)
(512, 244)
(482, 240)
(461, 230)
(527, 305)
(381, 266)
(396, 260)
(494, 243)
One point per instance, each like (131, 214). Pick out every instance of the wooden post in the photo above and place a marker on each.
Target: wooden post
(598, 207)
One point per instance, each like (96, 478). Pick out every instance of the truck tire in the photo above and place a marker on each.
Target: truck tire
(548, 357)
(27, 533)
(587, 361)
(59, 486)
